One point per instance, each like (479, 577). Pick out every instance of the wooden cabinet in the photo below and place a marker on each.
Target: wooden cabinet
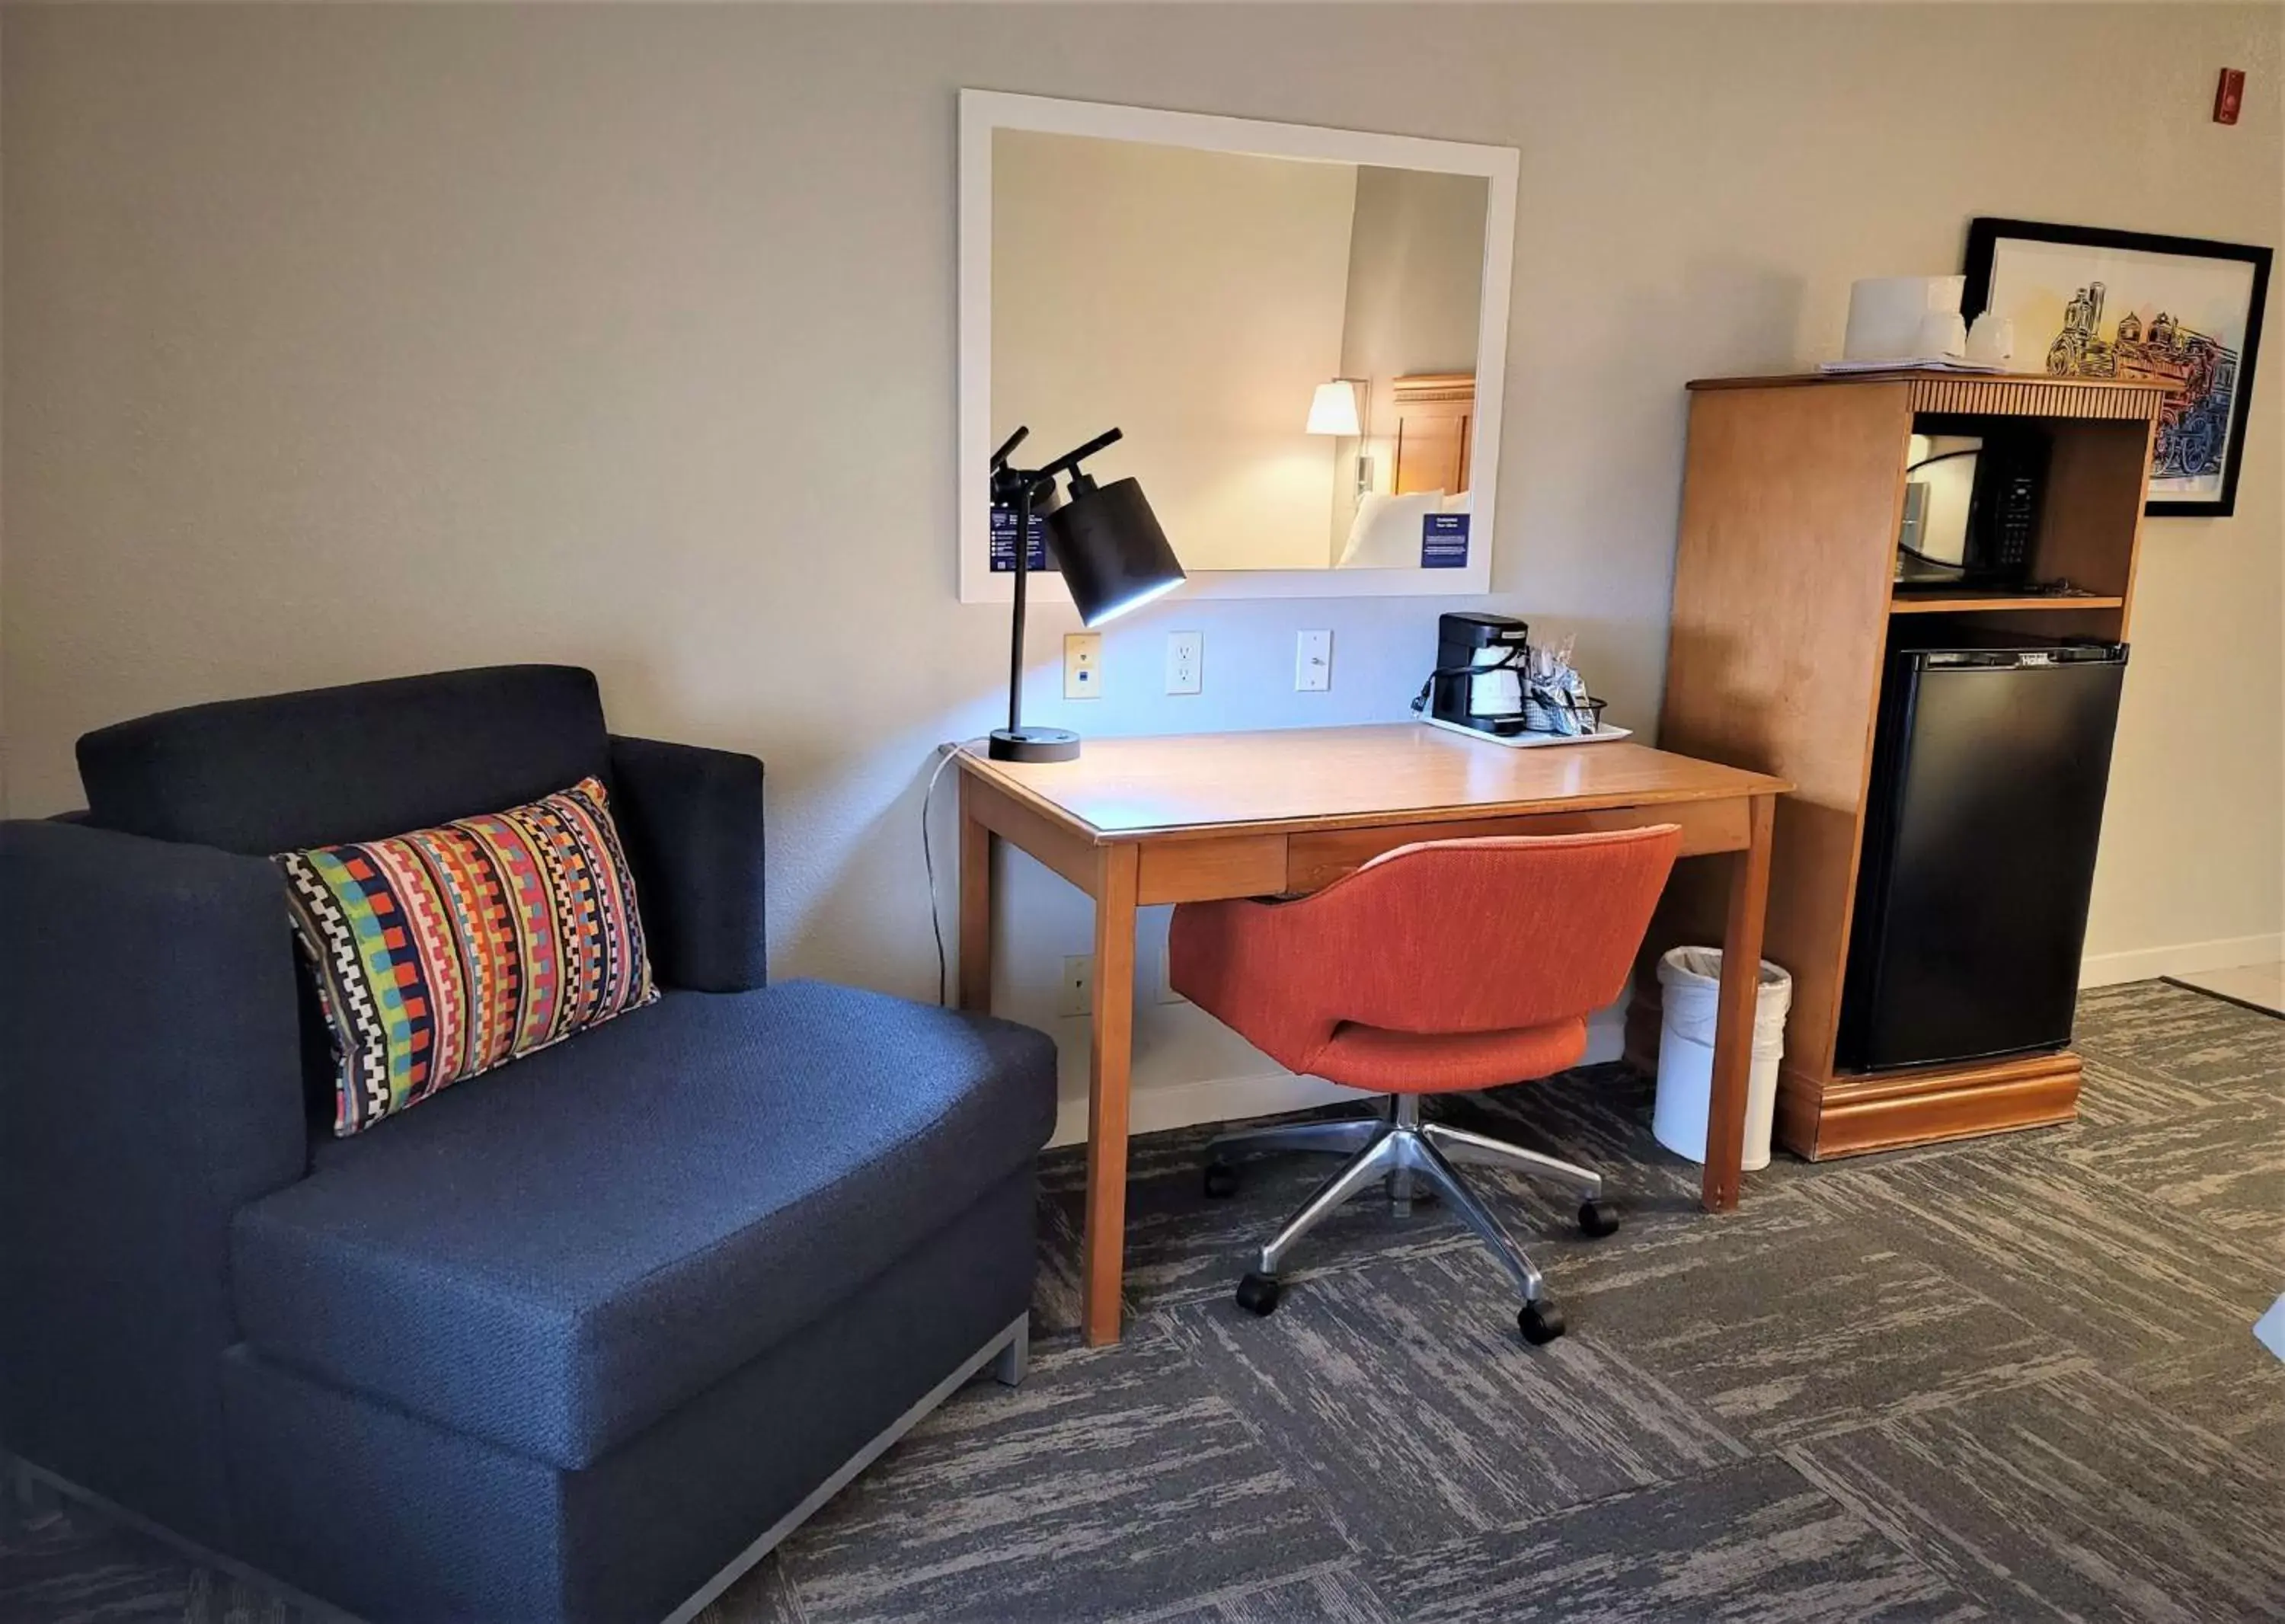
(1793, 492)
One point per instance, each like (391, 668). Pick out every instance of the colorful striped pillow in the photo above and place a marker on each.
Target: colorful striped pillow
(442, 954)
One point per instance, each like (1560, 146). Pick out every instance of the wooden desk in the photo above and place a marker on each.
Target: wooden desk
(1136, 822)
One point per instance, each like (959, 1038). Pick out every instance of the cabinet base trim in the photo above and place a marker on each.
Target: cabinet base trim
(1852, 1115)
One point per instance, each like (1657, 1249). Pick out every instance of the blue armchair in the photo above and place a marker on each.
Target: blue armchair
(575, 1339)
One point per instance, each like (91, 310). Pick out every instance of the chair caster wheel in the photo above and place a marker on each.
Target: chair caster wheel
(1258, 1294)
(1541, 1323)
(1220, 1180)
(1599, 1218)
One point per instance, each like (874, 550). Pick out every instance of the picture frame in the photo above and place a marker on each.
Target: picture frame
(2087, 302)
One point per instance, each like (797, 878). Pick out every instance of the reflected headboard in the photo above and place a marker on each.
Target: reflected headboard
(1434, 411)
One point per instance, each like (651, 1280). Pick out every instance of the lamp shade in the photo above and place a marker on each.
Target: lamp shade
(1333, 409)
(1112, 554)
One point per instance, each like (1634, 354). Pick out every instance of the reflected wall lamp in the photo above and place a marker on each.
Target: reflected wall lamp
(1333, 410)
(1111, 553)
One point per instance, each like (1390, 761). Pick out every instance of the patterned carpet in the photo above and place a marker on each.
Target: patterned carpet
(2007, 1380)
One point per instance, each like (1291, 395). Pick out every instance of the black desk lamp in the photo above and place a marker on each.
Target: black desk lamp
(1112, 554)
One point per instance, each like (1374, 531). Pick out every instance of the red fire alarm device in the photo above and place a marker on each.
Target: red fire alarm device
(2229, 95)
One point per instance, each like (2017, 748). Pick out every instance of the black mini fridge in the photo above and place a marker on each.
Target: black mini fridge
(1990, 756)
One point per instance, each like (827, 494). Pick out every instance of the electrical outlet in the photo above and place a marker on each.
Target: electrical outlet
(1312, 661)
(1078, 984)
(1082, 665)
(1185, 658)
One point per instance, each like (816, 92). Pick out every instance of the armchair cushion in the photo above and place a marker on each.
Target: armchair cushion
(556, 1260)
(443, 953)
(361, 762)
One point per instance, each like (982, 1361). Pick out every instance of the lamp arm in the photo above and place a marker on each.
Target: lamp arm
(1068, 463)
(1023, 575)
(1000, 456)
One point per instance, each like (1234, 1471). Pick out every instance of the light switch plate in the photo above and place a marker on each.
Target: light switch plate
(1185, 658)
(1312, 661)
(1082, 665)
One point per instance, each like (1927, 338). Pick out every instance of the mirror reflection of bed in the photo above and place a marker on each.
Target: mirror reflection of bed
(1204, 301)
(1431, 418)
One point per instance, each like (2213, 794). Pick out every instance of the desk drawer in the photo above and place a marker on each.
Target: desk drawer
(1203, 870)
(1315, 860)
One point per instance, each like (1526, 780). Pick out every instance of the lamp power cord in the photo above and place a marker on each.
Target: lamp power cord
(945, 753)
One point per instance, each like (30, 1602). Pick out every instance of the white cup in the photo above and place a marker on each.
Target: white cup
(1942, 332)
(1992, 340)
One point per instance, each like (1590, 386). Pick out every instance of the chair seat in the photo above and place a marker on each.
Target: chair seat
(554, 1255)
(1389, 1062)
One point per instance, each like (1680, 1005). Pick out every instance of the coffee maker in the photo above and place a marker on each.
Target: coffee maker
(1478, 682)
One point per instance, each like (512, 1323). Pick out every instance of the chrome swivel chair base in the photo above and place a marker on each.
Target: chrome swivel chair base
(1405, 1154)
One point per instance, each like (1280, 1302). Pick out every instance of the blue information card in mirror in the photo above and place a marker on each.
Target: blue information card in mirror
(1003, 541)
(1443, 541)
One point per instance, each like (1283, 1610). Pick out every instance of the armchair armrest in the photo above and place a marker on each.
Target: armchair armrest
(692, 821)
(150, 1085)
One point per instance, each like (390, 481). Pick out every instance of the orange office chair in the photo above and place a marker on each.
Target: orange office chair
(1451, 965)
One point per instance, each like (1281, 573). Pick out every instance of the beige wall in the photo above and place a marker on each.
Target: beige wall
(1415, 302)
(1194, 300)
(344, 341)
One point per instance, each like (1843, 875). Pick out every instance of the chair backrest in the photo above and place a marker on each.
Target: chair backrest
(361, 762)
(1490, 934)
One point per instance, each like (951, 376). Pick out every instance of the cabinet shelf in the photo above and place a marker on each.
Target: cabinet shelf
(1936, 603)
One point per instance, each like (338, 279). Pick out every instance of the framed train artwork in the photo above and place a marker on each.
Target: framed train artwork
(2092, 303)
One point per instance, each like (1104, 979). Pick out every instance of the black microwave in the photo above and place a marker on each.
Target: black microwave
(1972, 495)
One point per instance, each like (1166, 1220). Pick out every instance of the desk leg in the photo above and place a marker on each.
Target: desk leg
(1733, 1017)
(974, 906)
(1111, 1051)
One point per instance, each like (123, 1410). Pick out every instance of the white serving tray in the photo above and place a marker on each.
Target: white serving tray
(1532, 741)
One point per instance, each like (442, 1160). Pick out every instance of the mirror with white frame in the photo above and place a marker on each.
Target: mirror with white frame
(1299, 332)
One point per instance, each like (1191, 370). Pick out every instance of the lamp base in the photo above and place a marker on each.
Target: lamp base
(1033, 744)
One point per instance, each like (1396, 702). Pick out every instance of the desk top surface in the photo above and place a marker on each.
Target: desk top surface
(1338, 777)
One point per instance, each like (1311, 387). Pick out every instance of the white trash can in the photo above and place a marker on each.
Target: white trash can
(1690, 980)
